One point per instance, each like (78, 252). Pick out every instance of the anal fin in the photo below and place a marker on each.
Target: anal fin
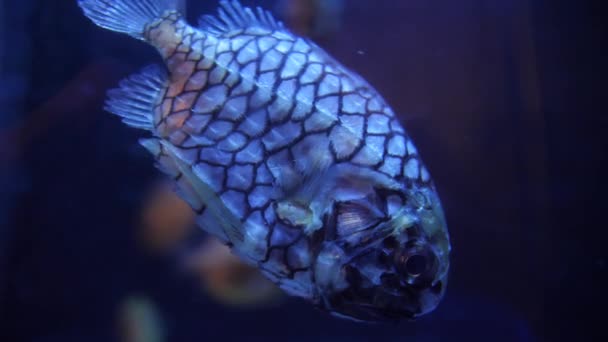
(166, 163)
(193, 190)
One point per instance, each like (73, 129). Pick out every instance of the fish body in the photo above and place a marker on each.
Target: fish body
(288, 157)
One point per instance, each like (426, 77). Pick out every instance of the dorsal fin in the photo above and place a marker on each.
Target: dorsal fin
(233, 16)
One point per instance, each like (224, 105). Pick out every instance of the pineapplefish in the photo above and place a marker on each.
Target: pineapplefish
(286, 156)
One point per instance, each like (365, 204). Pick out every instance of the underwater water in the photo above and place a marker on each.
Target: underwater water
(500, 97)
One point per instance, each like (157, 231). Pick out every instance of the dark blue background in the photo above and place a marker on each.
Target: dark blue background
(505, 100)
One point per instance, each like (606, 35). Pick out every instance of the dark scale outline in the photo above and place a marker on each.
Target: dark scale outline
(253, 174)
(279, 255)
(216, 120)
(362, 144)
(236, 150)
(222, 79)
(173, 98)
(206, 59)
(212, 163)
(356, 92)
(325, 130)
(202, 86)
(173, 54)
(297, 74)
(260, 134)
(257, 59)
(247, 208)
(284, 248)
(279, 80)
(388, 123)
(259, 38)
(348, 157)
(286, 146)
(386, 155)
(270, 231)
(262, 104)
(232, 71)
(163, 117)
(378, 164)
(158, 106)
(305, 42)
(405, 138)
(248, 37)
(342, 94)
(277, 83)
(250, 141)
(192, 56)
(276, 71)
(180, 140)
(409, 182)
(293, 270)
(312, 108)
(231, 89)
(172, 17)
(292, 106)
(263, 55)
(249, 191)
(303, 71)
(183, 93)
(337, 93)
(382, 104)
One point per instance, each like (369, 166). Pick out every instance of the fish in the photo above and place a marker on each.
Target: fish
(285, 155)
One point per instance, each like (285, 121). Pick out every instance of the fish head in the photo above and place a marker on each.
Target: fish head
(389, 267)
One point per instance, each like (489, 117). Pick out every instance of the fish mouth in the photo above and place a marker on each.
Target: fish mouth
(376, 305)
(385, 302)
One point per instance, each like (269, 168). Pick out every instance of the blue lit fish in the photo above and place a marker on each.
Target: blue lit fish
(286, 156)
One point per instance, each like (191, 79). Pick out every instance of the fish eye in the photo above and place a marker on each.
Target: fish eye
(416, 264)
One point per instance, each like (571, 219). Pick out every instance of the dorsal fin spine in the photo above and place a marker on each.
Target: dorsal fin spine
(232, 16)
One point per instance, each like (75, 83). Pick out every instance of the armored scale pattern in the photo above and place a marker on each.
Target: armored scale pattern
(245, 108)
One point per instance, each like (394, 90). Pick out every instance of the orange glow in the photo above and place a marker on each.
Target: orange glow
(166, 220)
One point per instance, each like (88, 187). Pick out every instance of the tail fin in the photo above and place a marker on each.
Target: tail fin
(126, 16)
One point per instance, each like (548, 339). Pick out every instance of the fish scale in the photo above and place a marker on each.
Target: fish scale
(272, 142)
